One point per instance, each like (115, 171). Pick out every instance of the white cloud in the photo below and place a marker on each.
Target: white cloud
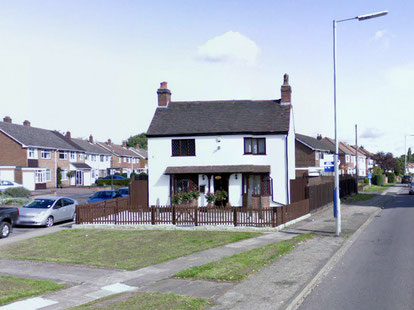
(383, 36)
(229, 47)
(380, 34)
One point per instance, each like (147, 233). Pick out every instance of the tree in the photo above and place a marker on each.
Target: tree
(409, 156)
(387, 162)
(140, 140)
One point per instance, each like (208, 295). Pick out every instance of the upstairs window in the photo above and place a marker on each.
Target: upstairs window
(255, 146)
(102, 158)
(32, 153)
(63, 155)
(80, 156)
(183, 147)
(46, 154)
(72, 156)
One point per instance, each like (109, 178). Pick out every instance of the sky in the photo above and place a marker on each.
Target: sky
(93, 67)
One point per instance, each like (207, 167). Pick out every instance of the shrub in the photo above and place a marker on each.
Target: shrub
(366, 181)
(391, 177)
(377, 171)
(107, 182)
(17, 192)
(378, 180)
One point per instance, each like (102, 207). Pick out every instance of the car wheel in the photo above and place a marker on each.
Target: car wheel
(5, 229)
(50, 221)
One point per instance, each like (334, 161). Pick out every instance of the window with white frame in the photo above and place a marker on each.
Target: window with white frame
(129, 160)
(119, 160)
(40, 176)
(63, 155)
(64, 174)
(72, 156)
(125, 159)
(108, 158)
(48, 175)
(347, 158)
(86, 157)
(46, 154)
(80, 156)
(93, 158)
(353, 159)
(102, 158)
(32, 153)
(317, 155)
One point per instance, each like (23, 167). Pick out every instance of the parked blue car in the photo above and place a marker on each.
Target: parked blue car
(123, 192)
(103, 195)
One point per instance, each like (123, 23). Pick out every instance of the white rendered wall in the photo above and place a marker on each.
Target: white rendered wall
(231, 152)
(98, 165)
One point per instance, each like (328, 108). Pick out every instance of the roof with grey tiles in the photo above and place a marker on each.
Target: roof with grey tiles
(220, 117)
(118, 150)
(91, 148)
(36, 137)
(314, 143)
(140, 152)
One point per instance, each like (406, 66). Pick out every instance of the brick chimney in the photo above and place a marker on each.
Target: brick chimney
(68, 135)
(91, 139)
(26, 123)
(285, 90)
(124, 143)
(109, 142)
(319, 136)
(7, 119)
(164, 95)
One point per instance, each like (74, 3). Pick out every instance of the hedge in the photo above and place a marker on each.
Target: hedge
(17, 192)
(107, 182)
(391, 177)
(378, 180)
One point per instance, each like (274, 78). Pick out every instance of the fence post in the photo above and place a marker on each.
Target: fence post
(234, 216)
(273, 216)
(173, 214)
(196, 216)
(152, 215)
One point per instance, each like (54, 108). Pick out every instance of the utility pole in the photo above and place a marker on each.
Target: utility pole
(356, 153)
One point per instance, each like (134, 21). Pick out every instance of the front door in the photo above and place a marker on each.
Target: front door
(221, 183)
(79, 177)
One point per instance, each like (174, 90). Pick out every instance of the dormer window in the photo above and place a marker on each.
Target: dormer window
(183, 147)
(255, 146)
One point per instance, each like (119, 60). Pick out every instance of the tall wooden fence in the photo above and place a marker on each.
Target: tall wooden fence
(121, 211)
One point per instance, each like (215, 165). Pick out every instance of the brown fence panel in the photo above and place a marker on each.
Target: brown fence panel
(298, 189)
(320, 195)
(138, 191)
(297, 209)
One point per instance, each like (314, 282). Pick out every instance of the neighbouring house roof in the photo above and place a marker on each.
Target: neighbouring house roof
(220, 117)
(36, 137)
(141, 152)
(315, 144)
(92, 148)
(118, 150)
(81, 166)
(218, 169)
(342, 150)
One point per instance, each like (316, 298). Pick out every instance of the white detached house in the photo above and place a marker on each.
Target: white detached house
(244, 147)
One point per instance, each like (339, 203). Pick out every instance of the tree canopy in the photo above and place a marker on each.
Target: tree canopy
(139, 140)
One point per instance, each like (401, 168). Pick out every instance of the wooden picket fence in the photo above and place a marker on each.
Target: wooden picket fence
(120, 211)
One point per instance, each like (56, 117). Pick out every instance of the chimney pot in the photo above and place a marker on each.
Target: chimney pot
(26, 123)
(164, 95)
(109, 142)
(91, 139)
(285, 90)
(68, 135)
(319, 137)
(7, 119)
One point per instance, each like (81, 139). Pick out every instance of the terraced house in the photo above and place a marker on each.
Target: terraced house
(245, 148)
(34, 155)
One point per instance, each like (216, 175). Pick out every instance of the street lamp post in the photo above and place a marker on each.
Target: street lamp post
(337, 202)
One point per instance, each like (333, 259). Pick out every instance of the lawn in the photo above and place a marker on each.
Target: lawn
(242, 265)
(153, 301)
(12, 289)
(121, 249)
(376, 188)
(359, 197)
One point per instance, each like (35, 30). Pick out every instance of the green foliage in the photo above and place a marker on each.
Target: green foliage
(391, 177)
(378, 180)
(138, 140)
(218, 197)
(17, 192)
(59, 177)
(107, 182)
(377, 171)
(366, 181)
(185, 197)
(124, 175)
(71, 174)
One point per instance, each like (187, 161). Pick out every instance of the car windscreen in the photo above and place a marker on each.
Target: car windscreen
(102, 195)
(40, 204)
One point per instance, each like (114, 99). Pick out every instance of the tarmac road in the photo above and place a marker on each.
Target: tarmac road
(377, 272)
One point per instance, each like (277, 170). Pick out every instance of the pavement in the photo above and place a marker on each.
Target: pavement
(277, 286)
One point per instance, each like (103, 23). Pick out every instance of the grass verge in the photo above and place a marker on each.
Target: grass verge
(118, 249)
(12, 289)
(376, 188)
(239, 266)
(153, 301)
(359, 197)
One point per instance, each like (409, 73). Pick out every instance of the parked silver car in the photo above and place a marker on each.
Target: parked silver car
(45, 211)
